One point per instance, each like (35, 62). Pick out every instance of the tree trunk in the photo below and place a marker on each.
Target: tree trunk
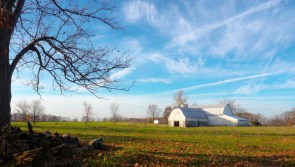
(5, 79)
(34, 117)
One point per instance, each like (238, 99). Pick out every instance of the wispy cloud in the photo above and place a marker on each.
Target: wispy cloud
(197, 33)
(249, 89)
(137, 9)
(135, 49)
(154, 80)
(287, 84)
(122, 73)
(182, 66)
(225, 82)
(254, 88)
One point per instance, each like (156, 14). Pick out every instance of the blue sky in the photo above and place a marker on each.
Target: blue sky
(211, 49)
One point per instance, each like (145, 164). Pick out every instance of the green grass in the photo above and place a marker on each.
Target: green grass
(153, 145)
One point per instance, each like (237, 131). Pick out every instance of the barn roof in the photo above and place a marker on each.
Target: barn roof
(213, 106)
(214, 109)
(193, 112)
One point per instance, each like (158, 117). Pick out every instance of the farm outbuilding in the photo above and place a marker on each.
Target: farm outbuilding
(187, 117)
(214, 115)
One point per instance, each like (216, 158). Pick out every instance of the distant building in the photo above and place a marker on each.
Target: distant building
(215, 115)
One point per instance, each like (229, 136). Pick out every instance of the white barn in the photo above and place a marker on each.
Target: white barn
(215, 115)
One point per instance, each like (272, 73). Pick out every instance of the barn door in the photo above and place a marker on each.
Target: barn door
(176, 123)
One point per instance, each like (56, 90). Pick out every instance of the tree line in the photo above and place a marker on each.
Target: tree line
(35, 111)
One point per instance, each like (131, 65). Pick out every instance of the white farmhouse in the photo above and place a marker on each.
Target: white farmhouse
(217, 115)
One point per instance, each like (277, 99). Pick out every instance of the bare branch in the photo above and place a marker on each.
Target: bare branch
(24, 51)
(105, 6)
(54, 38)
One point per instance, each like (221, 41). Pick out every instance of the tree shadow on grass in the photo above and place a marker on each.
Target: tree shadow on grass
(188, 159)
(152, 158)
(117, 155)
(111, 148)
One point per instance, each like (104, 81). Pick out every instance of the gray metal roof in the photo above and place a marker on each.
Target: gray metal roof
(193, 112)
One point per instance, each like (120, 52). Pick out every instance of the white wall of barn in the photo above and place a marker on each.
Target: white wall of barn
(221, 121)
(176, 115)
(243, 123)
(198, 121)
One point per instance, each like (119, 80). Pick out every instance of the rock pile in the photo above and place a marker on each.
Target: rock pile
(96, 144)
(19, 148)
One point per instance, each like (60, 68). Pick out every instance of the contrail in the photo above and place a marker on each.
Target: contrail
(222, 82)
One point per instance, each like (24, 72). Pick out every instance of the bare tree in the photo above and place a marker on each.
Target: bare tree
(166, 114)
(23, 107)
(54, 39)
(74, 120)
(194, 105)
(98, 119)
(276, 121)
(254, 119)
(105, 120)
(115, 116)
(232, 104)
(37, 110)
(87, 112)
(288, 117)
(153, 111)
(17, 117)
(180, 99)
(33, 110)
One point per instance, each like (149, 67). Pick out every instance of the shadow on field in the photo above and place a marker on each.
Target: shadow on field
(111, 148)
(159, 158)
(122, 139)
(189, 159)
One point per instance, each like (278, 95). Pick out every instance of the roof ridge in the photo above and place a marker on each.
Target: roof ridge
(213, 106)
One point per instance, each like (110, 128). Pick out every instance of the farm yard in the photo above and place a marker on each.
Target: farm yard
(134, 144)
